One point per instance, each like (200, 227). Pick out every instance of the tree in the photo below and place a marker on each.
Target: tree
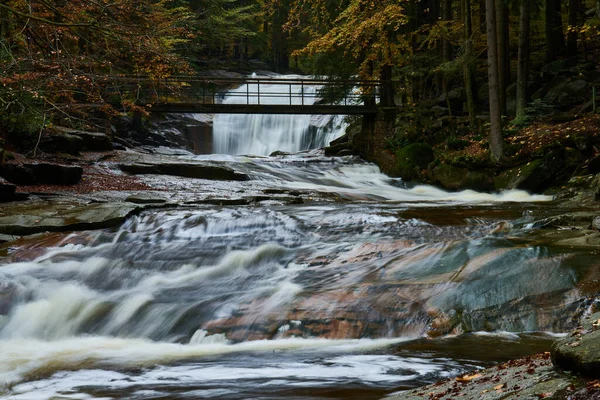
(495, 136)
(523, 59)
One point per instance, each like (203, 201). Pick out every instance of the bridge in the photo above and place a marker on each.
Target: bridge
(256, 95)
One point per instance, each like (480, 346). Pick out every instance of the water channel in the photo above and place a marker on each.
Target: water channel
(373, 287)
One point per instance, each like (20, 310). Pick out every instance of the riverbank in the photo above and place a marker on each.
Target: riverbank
(569, 372)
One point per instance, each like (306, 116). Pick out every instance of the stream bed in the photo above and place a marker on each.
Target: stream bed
(365, 287)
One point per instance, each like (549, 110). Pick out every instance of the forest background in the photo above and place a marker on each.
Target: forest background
(486, 66)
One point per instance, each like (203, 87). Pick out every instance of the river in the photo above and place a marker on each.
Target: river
(371, 287)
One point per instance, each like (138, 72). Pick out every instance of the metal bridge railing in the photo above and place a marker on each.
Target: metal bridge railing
(212, 90)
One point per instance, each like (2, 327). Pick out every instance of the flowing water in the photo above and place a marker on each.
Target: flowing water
(260, 134)
(370, 287)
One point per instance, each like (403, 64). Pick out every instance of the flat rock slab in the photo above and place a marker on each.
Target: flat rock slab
(36, 217)
(146, 198)
(529, 378)
(580, 352)
(41, 173)
(186, 170)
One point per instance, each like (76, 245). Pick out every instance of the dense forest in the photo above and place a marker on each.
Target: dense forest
(56, 54)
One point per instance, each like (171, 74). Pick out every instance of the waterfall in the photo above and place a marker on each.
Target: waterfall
(262, 134)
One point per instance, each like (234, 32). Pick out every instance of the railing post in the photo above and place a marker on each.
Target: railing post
(302, 91)
(290, 94)
(247, 94)
(258, 92)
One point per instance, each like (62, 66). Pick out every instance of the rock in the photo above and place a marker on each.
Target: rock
(579, 219)
(580, 351)
(7, 191)
(529, 378)
(41, 173)
(573, 93)
(39, 217)
(335, 149)
(199, 171)
(279, 153)
(453, 99)
(8, 238)
(596, 223)
(62, 142)
(594, 165)
(345, 138)
(454, 178)
(146, 198)
(539, 174)
(94, 141)
(411, 159)
(439, 111)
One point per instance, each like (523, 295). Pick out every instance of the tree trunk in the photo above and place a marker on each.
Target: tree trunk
(387, 87)
(482, 16)
(469, 73)
(495, 137)
(523, 59)
(503, 56)
(555, 41)
(446, 45)
(4, 29)
(572, 32)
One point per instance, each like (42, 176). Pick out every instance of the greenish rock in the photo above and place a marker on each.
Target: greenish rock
(191, 170)
(521, 177)
(455, 178)
(411, 159)
(580, 351)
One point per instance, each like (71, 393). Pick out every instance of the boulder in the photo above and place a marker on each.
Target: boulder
(7, 191)
(62, 142)
(580, 351)
(94, 141)
(41, 173)
(453, 99)
(539, 174)
(411, 159)
(455, 178)
(594, 165)
(191, 170)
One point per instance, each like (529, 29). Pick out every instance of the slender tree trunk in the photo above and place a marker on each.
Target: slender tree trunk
(469, 73)
(495, 137)
(523, 59)
(572, 33)
(482, 16)
(446, 45)
(4, 29)
(387, 87)
(503, 56)
(555, 41)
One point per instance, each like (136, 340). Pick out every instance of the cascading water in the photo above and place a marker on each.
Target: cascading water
(262, 134)
(328, 295)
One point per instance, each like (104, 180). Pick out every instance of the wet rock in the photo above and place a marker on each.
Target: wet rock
(529, 378)
(146, 198)
(454, 178)
(279, 153)
(28, 219)
(195, 170)
(579, 220)
(7, 191)
(335, 149)
(41, 173)
(411, 159)
(580, 351)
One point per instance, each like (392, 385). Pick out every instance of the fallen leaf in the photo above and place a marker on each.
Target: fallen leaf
(500, 387)
(468, 378)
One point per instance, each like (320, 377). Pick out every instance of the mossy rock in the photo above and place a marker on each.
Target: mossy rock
(411, 159)
(455, 178)
(580, 351)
